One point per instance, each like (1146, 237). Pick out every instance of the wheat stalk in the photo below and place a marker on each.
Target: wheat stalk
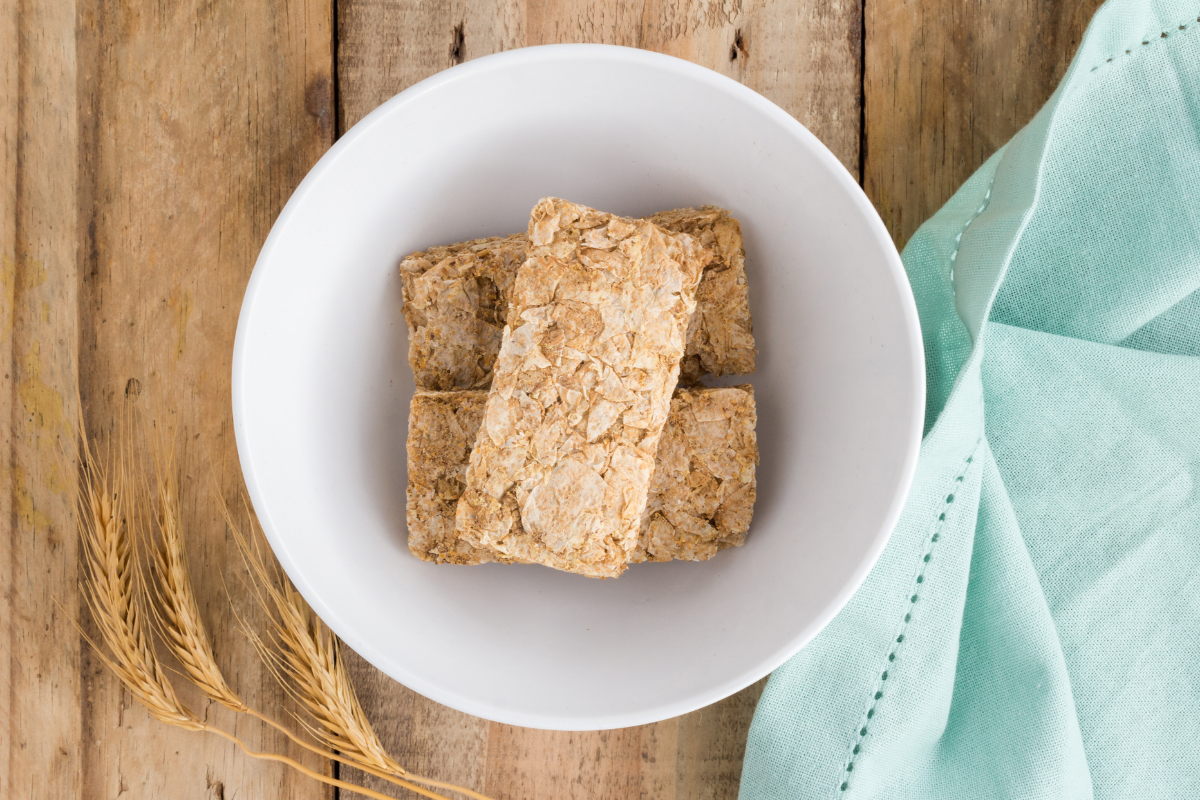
(308, 663)
(114, 591)
(187, 637)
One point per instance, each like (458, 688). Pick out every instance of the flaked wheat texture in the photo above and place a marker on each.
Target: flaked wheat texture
(442, 428)
(456, 302)
(581, 390)
(701, 498)
(720, 337)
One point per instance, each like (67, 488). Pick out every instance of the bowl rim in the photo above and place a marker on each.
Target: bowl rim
(540, 54)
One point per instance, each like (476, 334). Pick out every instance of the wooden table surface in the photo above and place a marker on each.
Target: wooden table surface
(148, 147)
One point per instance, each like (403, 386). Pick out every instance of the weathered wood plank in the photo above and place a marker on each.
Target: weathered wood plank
(147, 151)
(947, 83)
(385, 46)
(803, 55)
(41, 734)
(711, 743)
(190, 150)
(523, 763)
(9, 124)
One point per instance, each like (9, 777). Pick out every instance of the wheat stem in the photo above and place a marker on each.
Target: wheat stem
(108, 513)
(350, 762)
(186, 635)
(310, 664)
(115, 593)
(296, 765)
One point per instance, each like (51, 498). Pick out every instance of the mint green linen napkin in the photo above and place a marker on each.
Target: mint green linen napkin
(1033, 628)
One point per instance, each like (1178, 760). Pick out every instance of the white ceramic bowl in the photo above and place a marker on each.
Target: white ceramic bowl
(321, 384)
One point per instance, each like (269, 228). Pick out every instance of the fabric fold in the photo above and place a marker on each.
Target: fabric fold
(1051, 539)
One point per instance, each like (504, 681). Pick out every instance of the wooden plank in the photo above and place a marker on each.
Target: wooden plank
(805, 56)
(147, 151)
(9, 124)
(694, 757)
(947, 83)
(711, 743)
(40, 730)
(190, 151)
(539, 765)
(385, 46)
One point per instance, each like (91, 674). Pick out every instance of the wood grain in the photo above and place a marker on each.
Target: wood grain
(9, 124)
(947, 83)
(426, 737)
(188, 153)
(805, 55)
(386, 46)
(147, 150)
(41, 725)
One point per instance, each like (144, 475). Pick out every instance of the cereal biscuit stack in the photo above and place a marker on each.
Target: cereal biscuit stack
(598, 321)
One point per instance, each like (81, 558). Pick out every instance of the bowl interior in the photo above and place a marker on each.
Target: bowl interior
(322, 385)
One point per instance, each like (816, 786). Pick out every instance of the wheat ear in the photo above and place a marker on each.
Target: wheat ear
(111, 588)
(308, 663)
(187, 637)
(180, 623)
(114, 592)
